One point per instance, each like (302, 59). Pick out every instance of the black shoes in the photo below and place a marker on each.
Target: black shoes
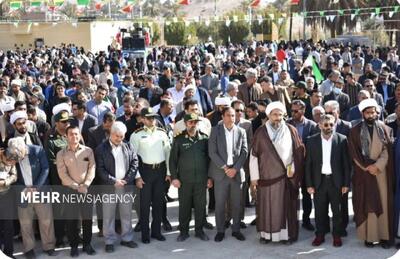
(166, 225)
(219, 237)
(51, 252)
(30, 254)
(254, 222)
(88, 249)
(109, 248)
(130, 244)
(264, 241)
(369, 244)
(145, 241)
(239, 236)
(182, 237)
(385, 244)
(74, 252)
(202, 236)
(158, 237)
(308, 226)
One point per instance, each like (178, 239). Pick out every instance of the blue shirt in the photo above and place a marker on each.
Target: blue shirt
(98, 110)
(224, 83)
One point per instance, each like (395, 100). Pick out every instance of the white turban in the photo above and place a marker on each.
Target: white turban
(224, 101)
(8, 106)
(367, 103)
(16, 82)
(275, 105)
(61, 107)
(18, 115)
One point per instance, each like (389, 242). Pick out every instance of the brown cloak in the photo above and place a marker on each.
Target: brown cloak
(366, 198)
(277, 195)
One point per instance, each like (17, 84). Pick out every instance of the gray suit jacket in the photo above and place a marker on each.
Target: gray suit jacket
(214, 82)
(218, 154)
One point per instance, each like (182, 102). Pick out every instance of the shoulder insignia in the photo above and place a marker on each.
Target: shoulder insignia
(161, 129)
(139, 129)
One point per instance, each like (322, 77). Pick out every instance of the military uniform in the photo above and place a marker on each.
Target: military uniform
(153, 148)
(53, 144)
(189, 164)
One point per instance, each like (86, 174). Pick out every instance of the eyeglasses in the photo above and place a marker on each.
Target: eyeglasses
(295, 111)
(331, 113)
(326, 125)
(239, 110)
(369, 86)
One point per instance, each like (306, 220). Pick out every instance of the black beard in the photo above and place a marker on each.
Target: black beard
(263, 115)
(370, 121)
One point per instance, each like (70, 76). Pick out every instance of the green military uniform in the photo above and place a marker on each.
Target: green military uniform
(54, 143)
(189, 164)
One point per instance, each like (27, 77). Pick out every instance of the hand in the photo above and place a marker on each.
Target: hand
(119, 183)
(310, 190)
(210, 183)
(82, 188)
(345, 190)
(139, 183)
(254, 184)
(373, 169)
(168, 179)
(231, 172)
(176, 183)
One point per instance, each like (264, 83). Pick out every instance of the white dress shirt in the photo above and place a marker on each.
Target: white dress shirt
(229, 145)
(26, 170)
(118, 154)
(326, 155)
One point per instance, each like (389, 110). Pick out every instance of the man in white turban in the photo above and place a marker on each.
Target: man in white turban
(276, 171)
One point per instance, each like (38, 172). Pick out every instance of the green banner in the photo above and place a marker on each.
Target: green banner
(83, 2)
(15, 5)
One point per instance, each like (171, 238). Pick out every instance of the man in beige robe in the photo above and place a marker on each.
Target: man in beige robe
(371, 152)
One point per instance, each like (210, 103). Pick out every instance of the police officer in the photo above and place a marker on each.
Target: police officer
(153, 147)
(188, 165)
(55, 142)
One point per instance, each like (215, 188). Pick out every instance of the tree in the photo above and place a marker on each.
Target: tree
(236, 32)
(177, 33)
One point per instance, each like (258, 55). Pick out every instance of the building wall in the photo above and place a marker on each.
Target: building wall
(53, 34)
(102, 33)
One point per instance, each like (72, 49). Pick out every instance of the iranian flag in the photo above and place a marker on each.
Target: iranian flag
(310, 62)
(15, 5)
(255, 3)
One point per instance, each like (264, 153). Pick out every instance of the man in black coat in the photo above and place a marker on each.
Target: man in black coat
(117, 165)
(151, 92)
(327, 177)
(305, 128)
(82, 119)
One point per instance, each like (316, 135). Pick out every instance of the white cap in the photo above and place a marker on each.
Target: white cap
(367, 103)
(61, 107)
(275, 105)
(224, 101)
(18, 115)
(189, 87)
(16, 82)
(8, 106)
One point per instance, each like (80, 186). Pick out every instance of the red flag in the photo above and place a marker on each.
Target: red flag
(183, 2)
(280, 55)
(127, 9)
(98, 6)
(294, 2)
(255, 3)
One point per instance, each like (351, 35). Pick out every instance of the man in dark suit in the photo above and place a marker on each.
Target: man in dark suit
(33, 172)
(98, 135)
(151, 92)
(166, 80)
(342, 98)
(327, 177)
(82, 119)
(342, 127)
(227, 149)
(385, 87)
(391, 102)
(305, 128)
(117, 166)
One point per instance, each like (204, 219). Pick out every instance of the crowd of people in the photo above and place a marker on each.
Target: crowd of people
(235, 126)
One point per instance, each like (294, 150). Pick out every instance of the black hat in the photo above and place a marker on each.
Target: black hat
(148, 112)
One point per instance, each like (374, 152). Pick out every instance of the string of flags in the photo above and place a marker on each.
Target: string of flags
(129, 5)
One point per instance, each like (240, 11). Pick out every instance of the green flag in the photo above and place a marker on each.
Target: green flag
(35, 3)
(377, 10)
(341, 12)
(83, 2)
(15, 5)
(396, 8)
(317, 74)
(321, 13)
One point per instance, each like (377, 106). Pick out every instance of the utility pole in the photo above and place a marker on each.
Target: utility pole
(304, 19)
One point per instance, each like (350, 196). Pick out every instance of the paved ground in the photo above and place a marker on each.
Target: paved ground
(230, 247)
